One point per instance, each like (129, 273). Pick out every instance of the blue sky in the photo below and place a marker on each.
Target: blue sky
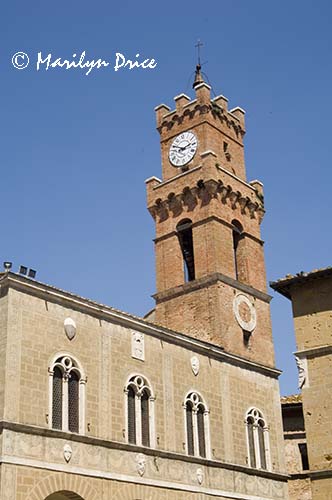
(76, 149)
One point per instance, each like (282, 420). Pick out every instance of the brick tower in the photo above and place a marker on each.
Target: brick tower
(210, 269)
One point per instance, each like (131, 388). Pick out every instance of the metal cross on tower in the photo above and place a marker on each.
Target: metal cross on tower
(198, 46)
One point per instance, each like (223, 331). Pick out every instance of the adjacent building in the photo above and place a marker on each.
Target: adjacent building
(311, 415)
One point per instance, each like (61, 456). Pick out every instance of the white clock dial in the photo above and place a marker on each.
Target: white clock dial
(183, 149)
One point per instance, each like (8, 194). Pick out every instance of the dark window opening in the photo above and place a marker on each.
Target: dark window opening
(73, 402)
(292, 416)
(246, 337)
(185, 234)
(237, 237)
(57, 399)
(201, 433)
(261, 445)
(145, 419)
(304, 456)
(251, 442)
(190, 434)
(131, 416)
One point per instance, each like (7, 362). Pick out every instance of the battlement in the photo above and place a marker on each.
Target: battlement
(185, 107)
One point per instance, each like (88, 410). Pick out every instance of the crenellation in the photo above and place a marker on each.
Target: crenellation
(249, 203)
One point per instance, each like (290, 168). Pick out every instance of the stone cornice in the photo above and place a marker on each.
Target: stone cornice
(197, 284)
(236, 177)
(103, 443)
(321, 350)
(178, 176)
(106, 313)
(206, 191)
(299, 475)
(320, 474)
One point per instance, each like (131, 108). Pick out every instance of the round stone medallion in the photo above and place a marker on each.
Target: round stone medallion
(245, 312)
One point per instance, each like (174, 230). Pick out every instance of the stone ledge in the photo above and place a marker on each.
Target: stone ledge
(207, 281)
(320, 474)
(299, 475)
(69, 436)
(321, 350)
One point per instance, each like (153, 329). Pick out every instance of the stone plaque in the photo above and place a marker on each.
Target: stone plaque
(137, 345)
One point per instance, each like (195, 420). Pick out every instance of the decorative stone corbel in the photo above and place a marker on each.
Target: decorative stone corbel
(234, 197)
(162, 210)
(225, 191)
(174, 203)
(212, 188)
(260, 214)
(302, 367)
(189, 198)
(252, 207)
(243, 201)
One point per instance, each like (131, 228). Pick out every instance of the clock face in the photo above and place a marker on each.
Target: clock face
(183, 149)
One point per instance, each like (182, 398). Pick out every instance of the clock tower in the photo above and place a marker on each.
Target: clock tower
(210, 270)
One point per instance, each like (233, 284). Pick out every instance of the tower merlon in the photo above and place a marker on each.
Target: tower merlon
(221, 101)
(203, 93)
(259, 188)
(161, 111)
(180, 101)
(153, 181)
(239, 114)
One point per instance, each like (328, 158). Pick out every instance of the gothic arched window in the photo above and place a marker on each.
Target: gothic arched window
(139, 406)
(185, 235)
(197, 426)
(67, 395)
(258, 443)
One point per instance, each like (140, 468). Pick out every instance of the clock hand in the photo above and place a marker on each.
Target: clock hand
(182, 148)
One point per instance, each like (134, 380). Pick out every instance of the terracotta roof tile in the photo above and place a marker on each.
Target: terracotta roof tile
(283, 285)
(291, 399)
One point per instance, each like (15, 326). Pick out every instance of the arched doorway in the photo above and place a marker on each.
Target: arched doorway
(64, 495)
